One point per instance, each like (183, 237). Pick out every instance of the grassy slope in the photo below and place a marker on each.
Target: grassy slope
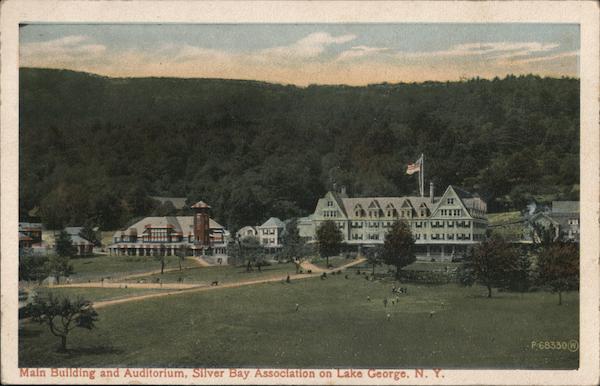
(224, 274)
(335, 261)
(509, 228)
(336, 326)
(94, 268)
(96, 294)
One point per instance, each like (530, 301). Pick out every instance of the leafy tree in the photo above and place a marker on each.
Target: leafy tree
(62, 315)
(33, 267)
(521, 278)
(181, 253)
(294, 247)
(64, 245)
(58, 266)
(558, 267)
(252, 252)
(492, 263)
(398, 247)
(329, 239)
(282, 143)
(543, 236)
(374, 256)
(161, 257)
(91, 235)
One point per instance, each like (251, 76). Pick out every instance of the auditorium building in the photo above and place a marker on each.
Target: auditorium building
(198, 235)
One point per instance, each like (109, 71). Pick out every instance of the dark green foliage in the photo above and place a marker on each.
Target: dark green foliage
(398, 247)
(96, 147)
(247, 251)
(294, 247)
(374, 256)
(91, 235)
(62, 315)
(558, 267)
(329, 239)
(32, 267)
(64, 245)
(58, 266)
(493, 264)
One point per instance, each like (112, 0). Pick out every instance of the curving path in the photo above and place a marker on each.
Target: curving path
(197, 288)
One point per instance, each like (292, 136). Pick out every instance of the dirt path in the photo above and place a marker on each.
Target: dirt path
(181, 288)
(107, 284)
(201, 262)
(307, 265)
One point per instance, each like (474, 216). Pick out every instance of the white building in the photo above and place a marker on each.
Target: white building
(443, 227)
(247, 231)
(269, 233)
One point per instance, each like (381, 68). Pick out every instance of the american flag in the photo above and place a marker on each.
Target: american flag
(413, 168)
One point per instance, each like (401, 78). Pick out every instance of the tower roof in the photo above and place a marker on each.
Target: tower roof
(200, 205)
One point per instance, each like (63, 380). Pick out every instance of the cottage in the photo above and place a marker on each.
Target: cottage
(82, 246)
(562, 218)
(270, 233)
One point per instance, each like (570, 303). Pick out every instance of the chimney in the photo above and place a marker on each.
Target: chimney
(431, 191)
(343, 190)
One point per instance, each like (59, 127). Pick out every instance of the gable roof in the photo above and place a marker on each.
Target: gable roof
(273, 222)
(461, 194)
(181, 224)
(339, 200)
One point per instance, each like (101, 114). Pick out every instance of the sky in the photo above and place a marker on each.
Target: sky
(303, 54)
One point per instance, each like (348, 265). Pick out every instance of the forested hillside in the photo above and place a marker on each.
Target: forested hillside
(96, 148)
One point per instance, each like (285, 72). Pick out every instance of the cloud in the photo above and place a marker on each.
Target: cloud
(303, 62)
(66, 48)
(559, 56)
(308, 47)
(360, 52)
(494, 50)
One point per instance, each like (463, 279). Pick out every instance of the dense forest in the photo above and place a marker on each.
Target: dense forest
(95, 149)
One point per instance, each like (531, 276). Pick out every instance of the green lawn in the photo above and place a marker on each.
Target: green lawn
(96, 294)
(336, 326)
(94, 268)
(222, 273)
(503, 217)
(335, 261)
(431, 266)
(508, 225)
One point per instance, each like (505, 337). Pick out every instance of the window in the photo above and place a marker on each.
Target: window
(450, 201)
(329, 203)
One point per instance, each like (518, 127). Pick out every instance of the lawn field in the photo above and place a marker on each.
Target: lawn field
(221, 273)
(96, 294)
(336, 326)
(334, 261)
(94, 268)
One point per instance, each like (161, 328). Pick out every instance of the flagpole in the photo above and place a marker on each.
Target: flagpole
(422, 174)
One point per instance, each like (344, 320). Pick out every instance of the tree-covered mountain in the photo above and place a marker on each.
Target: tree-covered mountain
(96, 148)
